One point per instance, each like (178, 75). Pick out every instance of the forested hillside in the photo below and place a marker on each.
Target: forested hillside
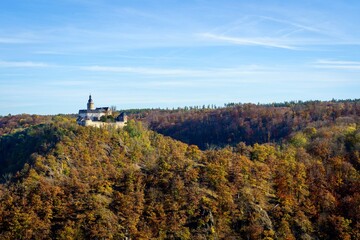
(64, 181)
(208, 127)
(11, 124)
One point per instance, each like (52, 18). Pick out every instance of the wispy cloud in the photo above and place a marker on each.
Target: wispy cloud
(209, 72)
(7, 40)
(140, 70)
(10, 64)
(171, 83)
(265, 42)
(298, 26)
(45, 52)
(275, 31)
(336, 64)
(70, 83)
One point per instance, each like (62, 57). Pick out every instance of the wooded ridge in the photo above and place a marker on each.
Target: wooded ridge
(264, 172)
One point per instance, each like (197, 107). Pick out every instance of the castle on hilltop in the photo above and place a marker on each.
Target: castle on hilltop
(100, 117)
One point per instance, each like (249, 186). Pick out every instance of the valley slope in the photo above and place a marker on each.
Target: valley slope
(64, 181)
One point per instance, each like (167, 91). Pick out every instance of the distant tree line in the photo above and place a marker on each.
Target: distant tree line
(249, 123)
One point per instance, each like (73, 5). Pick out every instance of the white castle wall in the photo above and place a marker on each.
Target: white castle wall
(103, 124)
(92, 115)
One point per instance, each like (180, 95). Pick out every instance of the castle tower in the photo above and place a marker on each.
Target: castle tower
(90, 104)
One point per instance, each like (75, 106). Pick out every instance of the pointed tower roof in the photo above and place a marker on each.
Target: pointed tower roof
(90, 99)
(90, 104)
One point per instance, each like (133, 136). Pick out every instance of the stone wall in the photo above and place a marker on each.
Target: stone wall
(92, 115)
(103, 124)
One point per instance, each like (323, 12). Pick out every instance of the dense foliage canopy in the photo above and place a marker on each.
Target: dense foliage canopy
(64, 181)
(209, 127)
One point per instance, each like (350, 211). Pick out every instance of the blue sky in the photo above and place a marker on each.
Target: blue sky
(157, 53)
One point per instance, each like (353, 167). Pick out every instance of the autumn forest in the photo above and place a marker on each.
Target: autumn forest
(242, 171)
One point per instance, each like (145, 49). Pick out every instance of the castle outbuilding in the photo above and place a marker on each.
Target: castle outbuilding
(99, 117)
